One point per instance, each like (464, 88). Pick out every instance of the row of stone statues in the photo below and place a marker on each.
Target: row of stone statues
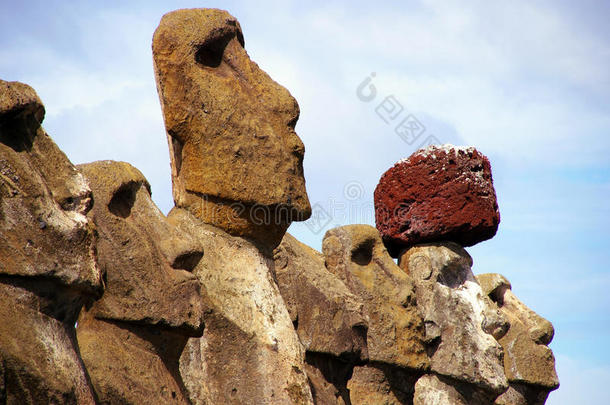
(107, 300)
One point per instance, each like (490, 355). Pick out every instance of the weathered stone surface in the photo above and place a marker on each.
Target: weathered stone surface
(47, 265)
(147, 261)
(43, 199)
(522, 394)
(132, 337)
(328, 378)
(249, 352)
(39, 361)
(236, 159)
(381, 384)
(437, 194)
(430, 390)
(132, 364)
(437, 390)
(20, 106)
(237, 166)
(458, 317)
(528, 363)
(356, 255)
(327, 316)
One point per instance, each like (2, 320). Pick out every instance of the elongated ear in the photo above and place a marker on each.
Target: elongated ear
(333, 251)
(21, 113)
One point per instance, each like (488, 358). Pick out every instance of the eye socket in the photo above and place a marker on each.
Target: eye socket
(211, 52)
(187, 261)
(363, 253)
(123, 199)
(497, 296)
(68, 204)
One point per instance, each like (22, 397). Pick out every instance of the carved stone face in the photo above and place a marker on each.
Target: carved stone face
(357, 256)
(459, 319)
(146, 260)
(528, 362)
(230, 127)
(43, 200)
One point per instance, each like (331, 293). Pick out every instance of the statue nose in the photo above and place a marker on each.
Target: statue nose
(181, 253)
(542, 331)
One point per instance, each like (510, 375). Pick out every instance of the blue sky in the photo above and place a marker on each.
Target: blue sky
(527, 83)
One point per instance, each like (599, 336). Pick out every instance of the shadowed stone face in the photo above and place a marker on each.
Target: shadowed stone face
(47, 261)
(357, 256)
(328, 317)
(152, 303)
(43, 199)
(528, 362)
(230, 127)
(144, 257)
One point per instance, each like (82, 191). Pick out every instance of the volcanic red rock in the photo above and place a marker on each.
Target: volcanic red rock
(440, 193)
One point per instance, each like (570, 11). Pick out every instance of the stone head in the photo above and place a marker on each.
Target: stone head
(359, 251)
(358, 257)
(528, 362)
(44, 232)
(230, 127)
(458, 316)
(146, 261)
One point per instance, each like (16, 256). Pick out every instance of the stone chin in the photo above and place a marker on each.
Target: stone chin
(265, 225)
(186, 318)
(181, 312)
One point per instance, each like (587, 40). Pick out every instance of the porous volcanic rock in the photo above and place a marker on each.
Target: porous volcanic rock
(237, 162)
(327, 316)
(131, 338)
(356, 255)
(437, 194)
(284, 323)
(459, 318)
(47, 262)
(529, 363)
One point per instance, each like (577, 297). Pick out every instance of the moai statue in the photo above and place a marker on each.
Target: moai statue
(395, 337)
(47, 260)
(427, 207)
(237, 162)
(528, 362)
(238, 184)
(131, 338)
(461, 327)
(330, 320)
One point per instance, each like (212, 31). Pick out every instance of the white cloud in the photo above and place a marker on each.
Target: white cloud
(509, 78)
